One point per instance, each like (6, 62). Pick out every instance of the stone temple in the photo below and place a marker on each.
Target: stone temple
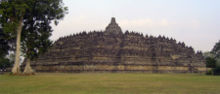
(113, 50)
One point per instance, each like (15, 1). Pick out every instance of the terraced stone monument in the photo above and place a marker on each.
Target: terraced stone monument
(113, 50)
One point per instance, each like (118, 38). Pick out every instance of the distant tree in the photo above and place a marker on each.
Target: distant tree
(31, 18)
(213, 59)
(216, 50)
(210, 62)
(208, 54)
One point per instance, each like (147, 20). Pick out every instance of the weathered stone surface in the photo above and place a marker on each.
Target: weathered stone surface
(113, 50)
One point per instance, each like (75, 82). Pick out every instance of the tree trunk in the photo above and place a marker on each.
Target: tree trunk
(16, 67)
(28, 70)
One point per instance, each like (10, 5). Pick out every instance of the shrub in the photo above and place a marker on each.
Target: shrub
(4, 63)
(210, 62)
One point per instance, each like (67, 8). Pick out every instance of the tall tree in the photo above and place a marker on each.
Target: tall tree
(213, 59)
(29, 17)
(216, 50)
(34, 43)
(11, 13)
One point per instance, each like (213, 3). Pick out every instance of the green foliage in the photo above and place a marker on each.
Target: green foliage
(213, 60)
(37, 26)
(210, 72)
(4, 47)
(216, 71)
(216, 49)
(208, 54)
(11, 12)
(36, 16)
(4, 63)
(210, 62)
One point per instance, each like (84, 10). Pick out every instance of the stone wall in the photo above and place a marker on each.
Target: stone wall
(113, 50)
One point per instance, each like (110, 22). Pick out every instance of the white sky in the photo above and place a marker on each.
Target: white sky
(195, 22)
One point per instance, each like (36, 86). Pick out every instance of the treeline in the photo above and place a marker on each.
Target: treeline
(213, 60)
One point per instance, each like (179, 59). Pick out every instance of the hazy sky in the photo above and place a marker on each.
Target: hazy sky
(195, 22)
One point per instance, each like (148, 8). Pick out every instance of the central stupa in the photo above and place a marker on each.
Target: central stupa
(113, 50)
(113, 28)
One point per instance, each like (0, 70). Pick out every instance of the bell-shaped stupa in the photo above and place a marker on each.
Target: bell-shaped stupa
(113, 27)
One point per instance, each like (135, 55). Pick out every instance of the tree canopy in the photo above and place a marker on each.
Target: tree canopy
(30, 22)
(213, 59)
(216, 49)
(37, 26)
(4, 47)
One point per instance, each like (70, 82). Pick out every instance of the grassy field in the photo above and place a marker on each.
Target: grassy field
(109, 83)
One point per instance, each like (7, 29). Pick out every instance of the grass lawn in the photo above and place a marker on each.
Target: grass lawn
(109, 83)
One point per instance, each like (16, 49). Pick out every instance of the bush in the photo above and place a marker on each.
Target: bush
(209, 72)
(210, 62)
(4, 63)
(216, 71)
